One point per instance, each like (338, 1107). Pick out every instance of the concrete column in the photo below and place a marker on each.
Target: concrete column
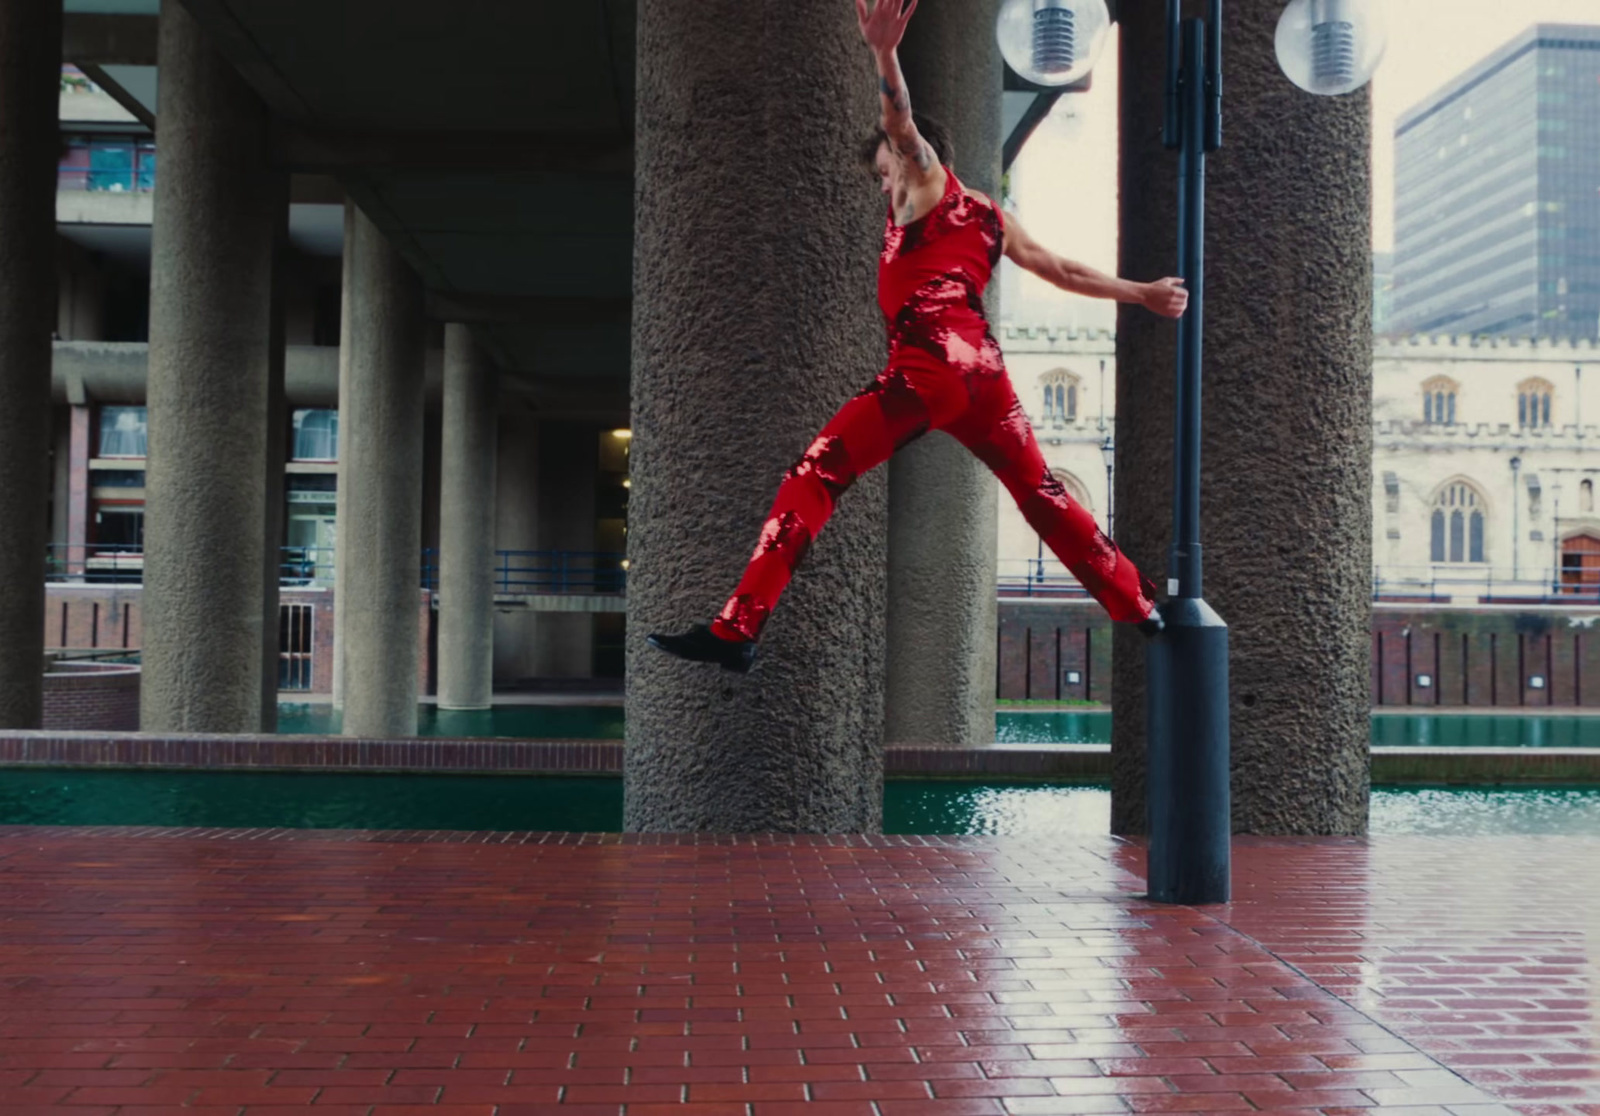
(277, 455)
(30, 60)
(381, 428)
(216, 212)
(1286, 508)
(466, 535)
(943, 501)
(516, 529)
(78, 454)
(755, 255)
(343, 483)
(569, 466)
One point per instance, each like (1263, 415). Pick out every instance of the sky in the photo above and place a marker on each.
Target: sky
(1064, 185)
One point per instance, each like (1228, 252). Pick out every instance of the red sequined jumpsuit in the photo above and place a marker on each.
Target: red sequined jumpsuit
(945, 372)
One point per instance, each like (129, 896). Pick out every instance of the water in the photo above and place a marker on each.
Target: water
(294, 800)
(529, 722)
(1012, 726)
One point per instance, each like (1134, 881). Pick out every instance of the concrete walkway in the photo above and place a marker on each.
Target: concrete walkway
(250, 972)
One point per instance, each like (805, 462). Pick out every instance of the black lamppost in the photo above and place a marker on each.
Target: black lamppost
(1108, 454)
(1187, 795)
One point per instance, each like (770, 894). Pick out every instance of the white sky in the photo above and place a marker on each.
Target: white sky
(1065, 182)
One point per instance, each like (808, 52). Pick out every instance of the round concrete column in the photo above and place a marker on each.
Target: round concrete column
(1286, 509)
(466, 528)
(30, 65)
(942, 500)
(210, 339)
(343, 480)
(381, 430)
(756, 245)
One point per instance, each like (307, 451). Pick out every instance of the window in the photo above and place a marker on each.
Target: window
(1533, 402)
(1439, 400)
(316, 435)
(111, 164)
(123, 431)
(1061, 394)
(1586, 496)
(1456, 526)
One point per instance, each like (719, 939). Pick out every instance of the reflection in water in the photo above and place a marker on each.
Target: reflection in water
(375, 801)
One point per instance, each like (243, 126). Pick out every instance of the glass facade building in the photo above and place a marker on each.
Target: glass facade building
(1497, 195)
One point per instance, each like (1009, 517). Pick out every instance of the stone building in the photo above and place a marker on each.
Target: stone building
(1483, 470)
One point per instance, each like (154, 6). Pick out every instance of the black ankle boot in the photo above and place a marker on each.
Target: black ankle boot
(1152, 625)
(700, 645)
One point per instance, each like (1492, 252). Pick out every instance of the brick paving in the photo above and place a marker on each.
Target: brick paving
(269, 971)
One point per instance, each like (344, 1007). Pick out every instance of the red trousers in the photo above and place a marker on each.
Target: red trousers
(981, 410)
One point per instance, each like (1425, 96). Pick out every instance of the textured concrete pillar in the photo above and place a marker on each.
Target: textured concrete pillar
(277, 455)
(516, 530)
(343, 481)
(30, 59)
(942, 500)
(210, 340)
(1286, 508)
(569, 467)
(381, 430)
(466, 536)
(756, 238)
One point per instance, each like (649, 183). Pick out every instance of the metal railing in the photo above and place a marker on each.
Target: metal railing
(94, 180)
(516, 572)
(1036, 577)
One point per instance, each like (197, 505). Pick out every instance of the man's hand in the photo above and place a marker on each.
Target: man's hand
(1166, 297)
(885, 25)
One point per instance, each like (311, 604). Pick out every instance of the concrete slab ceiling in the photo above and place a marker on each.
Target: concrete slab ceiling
(490, 140)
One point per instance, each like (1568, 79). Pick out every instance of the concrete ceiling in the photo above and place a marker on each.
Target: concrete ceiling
(490, 140)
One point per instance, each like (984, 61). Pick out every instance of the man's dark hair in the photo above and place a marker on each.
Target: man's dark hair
(937, 135)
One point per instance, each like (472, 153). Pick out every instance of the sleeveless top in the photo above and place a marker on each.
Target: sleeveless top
(931, 278)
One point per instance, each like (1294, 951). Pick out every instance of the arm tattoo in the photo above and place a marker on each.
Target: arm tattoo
(918, 151)
(895, 97)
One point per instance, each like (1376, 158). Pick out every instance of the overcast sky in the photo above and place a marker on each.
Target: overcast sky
(1065, 181)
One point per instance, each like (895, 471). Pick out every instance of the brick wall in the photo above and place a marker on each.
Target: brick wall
(1512, 657)
(92, 697)
(1053, 650)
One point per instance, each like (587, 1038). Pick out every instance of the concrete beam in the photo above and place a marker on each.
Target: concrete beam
(109, 40)
(476, 308)
(303, 148)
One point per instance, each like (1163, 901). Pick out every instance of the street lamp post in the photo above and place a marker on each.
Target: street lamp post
(1108, 454)
(1188, 797)
(1516, 528)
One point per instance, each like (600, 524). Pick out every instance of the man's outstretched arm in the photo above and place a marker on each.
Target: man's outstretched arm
(883, 26)
(1165, 296)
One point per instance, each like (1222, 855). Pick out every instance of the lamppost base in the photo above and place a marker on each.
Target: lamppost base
(1187, 783)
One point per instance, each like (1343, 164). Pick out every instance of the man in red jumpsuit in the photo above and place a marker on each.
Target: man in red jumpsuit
(941, 244)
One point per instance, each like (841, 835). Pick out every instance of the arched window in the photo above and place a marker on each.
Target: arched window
(1533, 402)
(1439, 400)
(1061, 393)
(1586, 496)
(1456, 525)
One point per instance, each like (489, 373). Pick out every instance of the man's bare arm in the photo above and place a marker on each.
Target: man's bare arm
(883, 25)
(1166, 297)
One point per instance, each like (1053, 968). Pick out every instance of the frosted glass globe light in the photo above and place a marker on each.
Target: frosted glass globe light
(1331, 46)
(1052, 42)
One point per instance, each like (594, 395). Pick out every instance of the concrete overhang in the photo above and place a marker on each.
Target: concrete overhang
(491, 142)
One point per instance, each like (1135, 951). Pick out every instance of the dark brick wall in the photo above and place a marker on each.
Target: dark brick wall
(1043, 643)
(92, 698)
(1471, 657)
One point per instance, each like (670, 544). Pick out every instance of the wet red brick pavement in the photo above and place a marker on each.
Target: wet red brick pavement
(257, 972)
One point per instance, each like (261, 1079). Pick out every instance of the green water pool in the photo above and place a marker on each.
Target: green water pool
(1012, 726)
(362, 801)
